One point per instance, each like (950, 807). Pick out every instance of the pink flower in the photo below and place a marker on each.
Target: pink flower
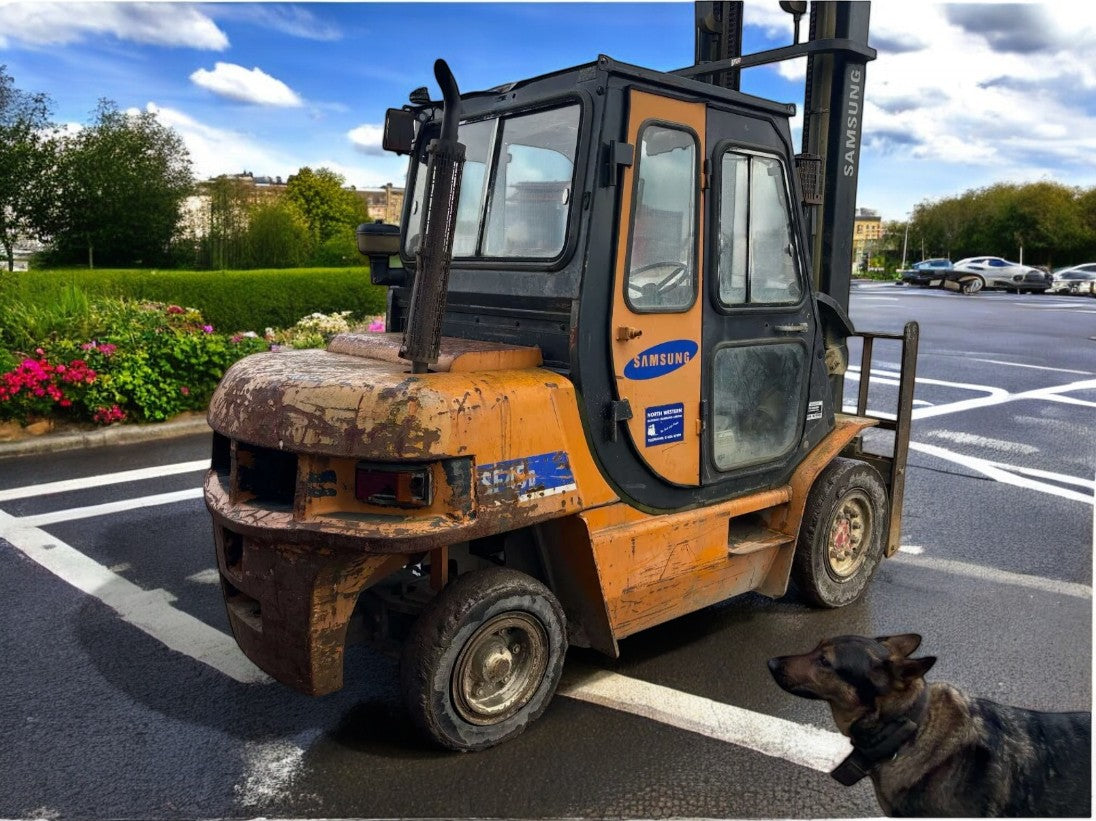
(184, 390)
(106, 349)
(377, 326)
(207, 329)
(175, 309)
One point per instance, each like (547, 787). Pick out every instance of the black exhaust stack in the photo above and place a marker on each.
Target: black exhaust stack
(422, 339)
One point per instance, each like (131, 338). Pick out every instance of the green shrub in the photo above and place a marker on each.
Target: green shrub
(143, 362)
(230, 301)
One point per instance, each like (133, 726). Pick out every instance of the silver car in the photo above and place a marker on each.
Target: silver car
(1076, 279)
(975, 273)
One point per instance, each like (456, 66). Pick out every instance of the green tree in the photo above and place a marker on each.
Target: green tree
(278, 235)
(123, 181)
(27, 163)
(326, 206)
(226, 242)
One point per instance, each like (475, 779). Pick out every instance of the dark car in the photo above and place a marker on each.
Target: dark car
(926, 273)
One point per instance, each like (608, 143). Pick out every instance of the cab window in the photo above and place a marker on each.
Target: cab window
(516, 187)
(662, 256)
(756, 261)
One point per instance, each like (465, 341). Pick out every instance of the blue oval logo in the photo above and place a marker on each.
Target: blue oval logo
(661, 359)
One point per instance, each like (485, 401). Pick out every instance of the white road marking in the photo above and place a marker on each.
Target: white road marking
(961, 438)
(111, 507)
(1034, 367)
(148, 610)
(801, 744)
(996, 576)
(911, 549)
(207, 576)
(103, 479)
(271, 768)
(1008, 474)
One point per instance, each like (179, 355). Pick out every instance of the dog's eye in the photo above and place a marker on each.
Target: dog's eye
(824, 662)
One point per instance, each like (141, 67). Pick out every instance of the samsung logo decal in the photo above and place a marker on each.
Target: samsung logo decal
(852, 119)
(661, 359)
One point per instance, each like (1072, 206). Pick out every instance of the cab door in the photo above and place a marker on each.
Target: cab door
(658, 285)
(759, 324)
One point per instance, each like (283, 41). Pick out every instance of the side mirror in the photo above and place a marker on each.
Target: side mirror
(399, 131)
(379, 242)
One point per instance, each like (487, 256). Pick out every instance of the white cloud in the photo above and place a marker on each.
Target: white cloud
(367, 139)
(215, 151)
(162, 24)
(238, 83)
(288, 19)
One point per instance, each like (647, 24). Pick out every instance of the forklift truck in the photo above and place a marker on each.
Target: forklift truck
(609, 394)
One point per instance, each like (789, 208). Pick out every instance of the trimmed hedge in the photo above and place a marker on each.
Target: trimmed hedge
(231, 301)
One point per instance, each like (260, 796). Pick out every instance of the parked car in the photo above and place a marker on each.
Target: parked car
(1074, 279)
(972, 274)
(925, 273)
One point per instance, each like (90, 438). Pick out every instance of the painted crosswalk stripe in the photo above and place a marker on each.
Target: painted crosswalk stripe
(151, 611)
(85, 482)
(798, 743)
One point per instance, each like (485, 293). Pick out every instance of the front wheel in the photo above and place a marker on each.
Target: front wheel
(483, 659)
(973, 286)
(841, 538)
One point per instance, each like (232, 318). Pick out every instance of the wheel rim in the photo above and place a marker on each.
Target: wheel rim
(974, 286)
(500, 668)
(850, 533)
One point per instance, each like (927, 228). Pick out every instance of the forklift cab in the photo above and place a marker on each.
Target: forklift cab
(643, 230)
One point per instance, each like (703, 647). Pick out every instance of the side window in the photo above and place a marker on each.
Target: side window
(532, 193)
(751, 389)
(662, 257)
(756, 261)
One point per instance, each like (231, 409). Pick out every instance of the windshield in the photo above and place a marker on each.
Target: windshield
(516, 188)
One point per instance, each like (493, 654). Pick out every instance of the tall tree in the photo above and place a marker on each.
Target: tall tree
(123, 181)
(27, 162)
(327, 207)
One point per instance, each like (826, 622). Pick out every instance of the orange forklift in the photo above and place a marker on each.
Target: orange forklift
(610, 392)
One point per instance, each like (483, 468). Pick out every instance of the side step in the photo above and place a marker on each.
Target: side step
(748, 534)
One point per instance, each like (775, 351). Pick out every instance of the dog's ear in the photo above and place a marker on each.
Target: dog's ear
(909, 669)
(900, 646)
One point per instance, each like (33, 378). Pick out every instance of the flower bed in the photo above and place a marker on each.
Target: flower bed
(143, 362)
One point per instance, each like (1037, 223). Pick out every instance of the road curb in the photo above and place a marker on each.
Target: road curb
(121, 435)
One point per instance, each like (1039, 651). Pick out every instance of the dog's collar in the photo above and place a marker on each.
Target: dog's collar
(874, 744)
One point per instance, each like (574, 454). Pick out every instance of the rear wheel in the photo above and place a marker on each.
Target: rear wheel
(483, 659)
(841, 539)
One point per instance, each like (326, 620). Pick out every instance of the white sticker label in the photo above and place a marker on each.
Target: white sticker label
(814, 410)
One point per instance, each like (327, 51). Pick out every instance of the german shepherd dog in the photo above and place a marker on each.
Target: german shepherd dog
(929, 749)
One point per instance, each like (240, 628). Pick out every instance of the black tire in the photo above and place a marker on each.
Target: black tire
(483, 659)
(841, 539)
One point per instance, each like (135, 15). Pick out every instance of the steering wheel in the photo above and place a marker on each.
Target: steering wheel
(652, 290)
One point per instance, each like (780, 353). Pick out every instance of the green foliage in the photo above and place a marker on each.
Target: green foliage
(326, 206)
(147, 361)
(278, 235)
(123, 180)
(231, 301)
(27, 159)
(341, 249)
(1053, 223)
(68, 314)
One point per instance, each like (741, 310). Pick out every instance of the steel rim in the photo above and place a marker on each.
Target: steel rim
(974, 286)
(849, 535)
(500, 668)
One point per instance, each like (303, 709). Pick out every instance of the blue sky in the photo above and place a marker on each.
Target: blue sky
(961, 96)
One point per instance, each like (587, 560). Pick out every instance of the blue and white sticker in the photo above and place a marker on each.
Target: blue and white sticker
(661, 359)
(531, 477)
(665, 424)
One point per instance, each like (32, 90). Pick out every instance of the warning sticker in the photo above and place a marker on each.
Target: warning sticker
(665, 424)
(814, 410)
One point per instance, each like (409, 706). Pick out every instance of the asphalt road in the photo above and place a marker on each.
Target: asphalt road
(124, 698)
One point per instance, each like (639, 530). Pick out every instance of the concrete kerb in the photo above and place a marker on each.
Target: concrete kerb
(120, 435)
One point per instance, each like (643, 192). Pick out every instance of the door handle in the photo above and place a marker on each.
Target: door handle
(798, 328)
